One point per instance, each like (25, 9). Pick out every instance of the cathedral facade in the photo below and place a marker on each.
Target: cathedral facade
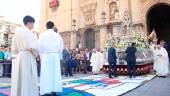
(89, 22)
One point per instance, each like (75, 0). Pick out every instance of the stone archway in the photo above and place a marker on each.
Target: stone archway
(158, 19)
(146, 6)
(89, 38)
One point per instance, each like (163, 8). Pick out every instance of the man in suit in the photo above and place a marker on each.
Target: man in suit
(131, 60)
(112, 59)
(66, 61)
(2, 56)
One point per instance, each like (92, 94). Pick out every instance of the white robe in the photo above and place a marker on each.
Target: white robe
(51, 46)
(24, 70)
(153, 50)
(95, 62)
(162, 62)
(101, 60)
(1, 70)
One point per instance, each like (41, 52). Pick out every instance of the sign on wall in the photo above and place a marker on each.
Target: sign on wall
(53, 3)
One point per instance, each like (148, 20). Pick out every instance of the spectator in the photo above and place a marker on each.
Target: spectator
(66, 60)
(8, 62)
(2, 56)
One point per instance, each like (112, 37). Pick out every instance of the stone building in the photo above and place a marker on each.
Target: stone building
(90, 21)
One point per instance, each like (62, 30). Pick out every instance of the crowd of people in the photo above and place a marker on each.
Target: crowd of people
(5, 62)
(81, 61)
(52, 57)
(55, 60)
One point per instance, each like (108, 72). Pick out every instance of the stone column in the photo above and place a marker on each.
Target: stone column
(43, 16)
(73, 40)
(103, 36)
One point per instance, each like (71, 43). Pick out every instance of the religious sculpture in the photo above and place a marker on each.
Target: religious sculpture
(113, 10)
(89, 11)
(126, 22)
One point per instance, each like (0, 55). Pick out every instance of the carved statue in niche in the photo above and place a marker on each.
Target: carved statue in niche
(126, 22)
(113, 11)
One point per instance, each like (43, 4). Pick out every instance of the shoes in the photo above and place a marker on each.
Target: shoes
(163, 76)
(71, 75)
(110, 77)
(46, 95)
(130, 77)
(53, 94)
(95, 74)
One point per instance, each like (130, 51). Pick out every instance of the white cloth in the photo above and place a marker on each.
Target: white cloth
(88, 55)
(162, 62)
(61, 47)
(24, 70)
(95, 62)
(1, 70)
(153, 50)
(101, 60)
(51, 46)
(8, 55)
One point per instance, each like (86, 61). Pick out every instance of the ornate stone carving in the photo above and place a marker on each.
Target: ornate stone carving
(126, 22)
(147, 4)
(112, 10)
(89, 11)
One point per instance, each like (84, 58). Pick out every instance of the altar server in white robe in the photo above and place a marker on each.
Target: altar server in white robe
(95, 62)
(50, 46)
(162, 61)
(102, 59)
(62, 43)
(153, 50)
(24, 70)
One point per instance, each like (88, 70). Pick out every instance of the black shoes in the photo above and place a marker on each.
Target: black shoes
(47, 95)
(52, 94)
(110, 77)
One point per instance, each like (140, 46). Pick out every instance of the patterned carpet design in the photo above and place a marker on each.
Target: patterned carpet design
(95, 85)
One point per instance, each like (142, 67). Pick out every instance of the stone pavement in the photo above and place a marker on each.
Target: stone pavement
(156, 87)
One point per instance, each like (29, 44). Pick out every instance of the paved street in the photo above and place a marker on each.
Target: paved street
(156, 87)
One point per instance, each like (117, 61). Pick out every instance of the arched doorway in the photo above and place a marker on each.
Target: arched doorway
(158, 18)
(90, 38)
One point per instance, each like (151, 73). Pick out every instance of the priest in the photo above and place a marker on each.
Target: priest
(102, 59)
(24, 70)
(95, 62)
(153, 50)
(162, 61)
(50, 46)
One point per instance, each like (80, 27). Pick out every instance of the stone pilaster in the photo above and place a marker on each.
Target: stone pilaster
(103, 36)
(73, 40)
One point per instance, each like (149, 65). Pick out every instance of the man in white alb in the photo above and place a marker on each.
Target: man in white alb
(95, 62)
(24, 70)
(162, 61)
(50, 46)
